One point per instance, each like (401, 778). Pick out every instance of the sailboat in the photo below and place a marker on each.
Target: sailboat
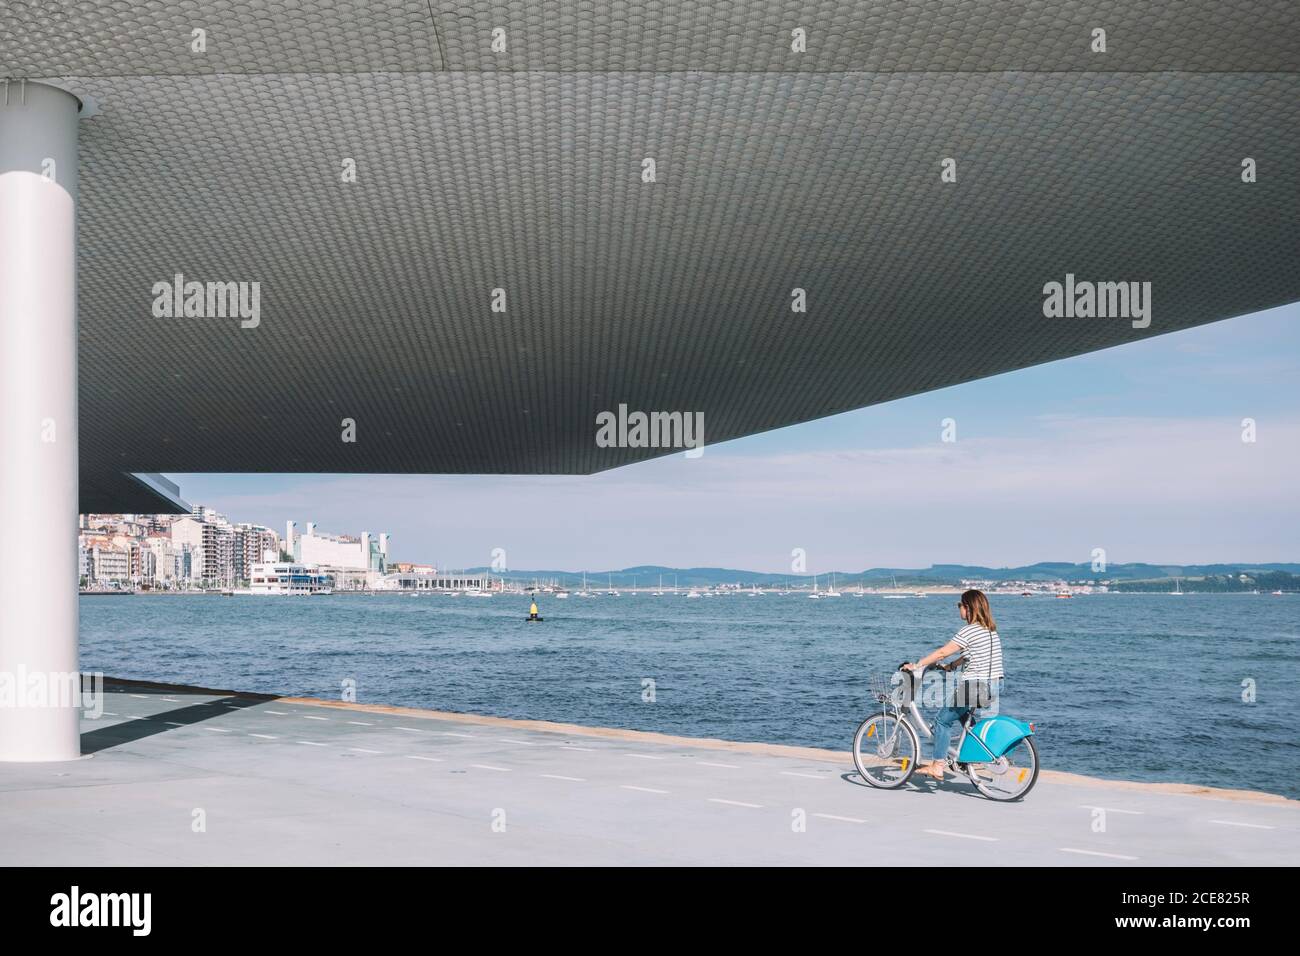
(895, 597)
(815, 593)
(832, 592)
(660, 592)
(609, 591)
(584, 593)
(1178, 586)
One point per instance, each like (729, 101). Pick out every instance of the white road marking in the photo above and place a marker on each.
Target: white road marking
(735, 803)
(1234, 823)
(831, 816)
(430, 759)
(644, 756)
(628, 786)
(139, 696)
(412, 730)
(590, 750)
(108, 713)
(170, 700)
(523, 743)
(488, 766)
(1113, 856)
(217, 730)
(309, 717)
(361, 723)
(264, 736)
(312, 743)
(448, 733)
(134, 717)
(965, 836)
(278, 713)
(363, 750)
(725, 766)
(556, 776)
(1136, 813)
(795, 773)
(172, 723)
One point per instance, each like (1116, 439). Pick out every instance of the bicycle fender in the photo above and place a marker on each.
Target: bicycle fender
(998, 733)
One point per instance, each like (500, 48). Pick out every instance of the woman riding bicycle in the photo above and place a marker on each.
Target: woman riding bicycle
(981, 678)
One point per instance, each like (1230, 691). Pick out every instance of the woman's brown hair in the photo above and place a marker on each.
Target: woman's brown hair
(977, 609)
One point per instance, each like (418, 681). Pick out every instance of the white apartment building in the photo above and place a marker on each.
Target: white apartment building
(213, 547)
(109, 564)
(254, 544)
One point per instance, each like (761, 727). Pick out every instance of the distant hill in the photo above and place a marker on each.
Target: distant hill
(1127, 576)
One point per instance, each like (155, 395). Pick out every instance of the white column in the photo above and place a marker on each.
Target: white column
(39, 710)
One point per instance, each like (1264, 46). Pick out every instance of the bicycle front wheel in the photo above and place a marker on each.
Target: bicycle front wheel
(1009, 777)
(885, 750)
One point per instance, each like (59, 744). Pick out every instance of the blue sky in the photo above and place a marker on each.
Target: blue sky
(1135, 449)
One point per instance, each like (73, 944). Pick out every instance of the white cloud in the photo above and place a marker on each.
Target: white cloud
(1145, 489)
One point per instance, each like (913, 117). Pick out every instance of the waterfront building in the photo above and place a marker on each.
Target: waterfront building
(213, 546)
(254, 544)
(109, 564)
(288, 579)
(365, 553)
(420, 581)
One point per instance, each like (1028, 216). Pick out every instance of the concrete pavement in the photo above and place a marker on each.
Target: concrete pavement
(180, 777)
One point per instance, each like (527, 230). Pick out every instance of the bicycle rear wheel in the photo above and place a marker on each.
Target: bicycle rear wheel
(1009, 777)
(885, 750)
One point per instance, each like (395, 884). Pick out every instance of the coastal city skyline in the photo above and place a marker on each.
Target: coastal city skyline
(206, 550)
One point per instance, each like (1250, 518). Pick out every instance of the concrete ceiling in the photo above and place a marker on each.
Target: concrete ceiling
(521, 171)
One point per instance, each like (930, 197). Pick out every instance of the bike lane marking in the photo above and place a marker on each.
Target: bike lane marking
(964, 836)
(1113, 856)
(1235, 823)
(1136, 813)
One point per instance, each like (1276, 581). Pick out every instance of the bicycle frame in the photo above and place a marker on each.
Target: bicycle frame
(919, 722)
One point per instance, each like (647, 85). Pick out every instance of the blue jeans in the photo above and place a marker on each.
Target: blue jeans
(963, 694)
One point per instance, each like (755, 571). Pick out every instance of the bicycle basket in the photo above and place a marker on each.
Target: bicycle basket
(885, 688)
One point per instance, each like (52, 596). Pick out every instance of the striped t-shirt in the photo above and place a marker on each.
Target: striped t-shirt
(983, 651)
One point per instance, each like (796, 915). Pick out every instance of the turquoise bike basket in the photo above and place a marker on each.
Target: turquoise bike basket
(999, 734)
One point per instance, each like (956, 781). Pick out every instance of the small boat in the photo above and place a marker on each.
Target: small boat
(562, 595)
(816, 594)
(692, 593)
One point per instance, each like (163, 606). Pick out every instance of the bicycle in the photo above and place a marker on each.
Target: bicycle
(996, 753)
